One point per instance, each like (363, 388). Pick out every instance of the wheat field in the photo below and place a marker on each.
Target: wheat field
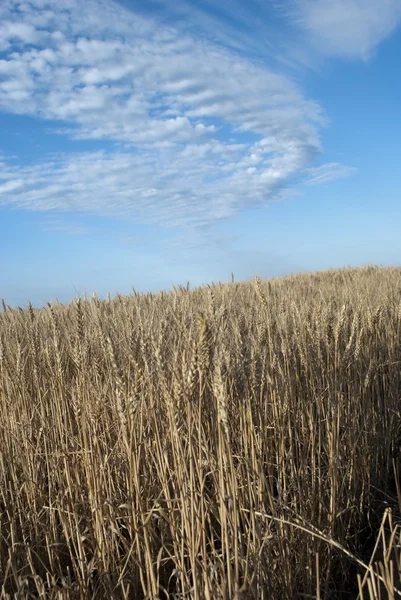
(231, 441)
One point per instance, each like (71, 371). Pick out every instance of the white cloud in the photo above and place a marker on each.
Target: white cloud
(147, 187)
(346, 28)
(204, 131)
(327, 172)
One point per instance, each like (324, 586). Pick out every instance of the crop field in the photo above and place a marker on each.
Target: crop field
(239, 440)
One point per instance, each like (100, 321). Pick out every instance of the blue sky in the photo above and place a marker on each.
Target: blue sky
(150, 143)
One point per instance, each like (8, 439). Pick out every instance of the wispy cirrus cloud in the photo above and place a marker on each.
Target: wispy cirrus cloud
(200, 131)
(326, 173)
(249, 27)
(345, 28)
(265, 28)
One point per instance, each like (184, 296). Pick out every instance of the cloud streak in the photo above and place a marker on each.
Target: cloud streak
(199, 130)
(326, 173)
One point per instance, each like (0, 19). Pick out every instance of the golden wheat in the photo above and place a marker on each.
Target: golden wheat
(232, 441)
